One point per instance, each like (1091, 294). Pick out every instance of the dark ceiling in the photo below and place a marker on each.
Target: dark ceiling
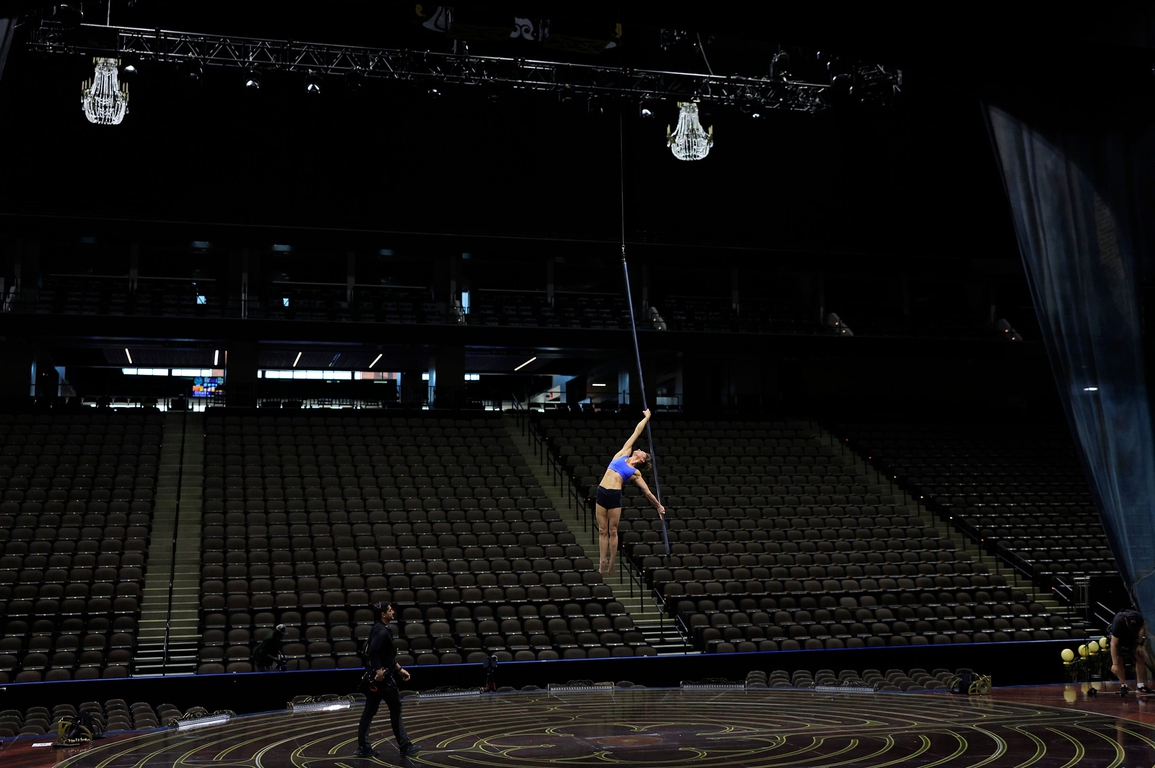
(916, 179)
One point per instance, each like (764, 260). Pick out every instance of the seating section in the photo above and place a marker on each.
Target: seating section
(370, 305)
(74, 527)
(76, 295)
(1018, 488)
(309, 519)
(533, 309)
(719, 315)
(916, 679)
(112, 715)
(778, 543)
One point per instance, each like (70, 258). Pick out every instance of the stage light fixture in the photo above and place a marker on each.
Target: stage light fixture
(253, 80)
(216, 357)
(297, 360)
(689, 141)
(321, 705)
(312, 83)
(838, 325)
(780, 66)
(376, 360)
(68, 15)
(1006, 331)
(128, 355)
(191, 72)
(203, 722)
(104, 100)
(840, 90)
(518, 368)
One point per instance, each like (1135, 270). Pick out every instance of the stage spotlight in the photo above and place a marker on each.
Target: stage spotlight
(837, 325)
(313, 83)
(253, 80)
(433, 93)
(646, 108)
(1006, 331)
(191, 72)
(840, 89)
(68, 15)
(780, 66)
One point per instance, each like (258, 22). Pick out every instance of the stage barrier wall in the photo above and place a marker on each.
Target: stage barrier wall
(1014, 663)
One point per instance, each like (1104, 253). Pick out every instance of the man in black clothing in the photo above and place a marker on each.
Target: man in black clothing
(267, 654)
(381, 660)
(1127, 639)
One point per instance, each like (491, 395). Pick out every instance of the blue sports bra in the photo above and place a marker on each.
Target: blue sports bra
(620, 466)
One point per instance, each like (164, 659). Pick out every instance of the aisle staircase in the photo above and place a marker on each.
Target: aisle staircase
(170, 614)
(659, 630)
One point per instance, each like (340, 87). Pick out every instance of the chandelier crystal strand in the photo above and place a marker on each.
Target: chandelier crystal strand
(104, 100)
(689, 141)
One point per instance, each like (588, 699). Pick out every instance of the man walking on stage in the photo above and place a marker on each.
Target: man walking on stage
(381, 662)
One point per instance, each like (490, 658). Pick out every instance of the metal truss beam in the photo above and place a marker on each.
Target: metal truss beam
(872, 82)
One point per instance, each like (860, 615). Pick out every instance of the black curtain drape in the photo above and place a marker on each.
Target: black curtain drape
(7, 29)
(1080, 192)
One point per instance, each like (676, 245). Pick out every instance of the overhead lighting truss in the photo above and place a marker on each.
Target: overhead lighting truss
(873, 82)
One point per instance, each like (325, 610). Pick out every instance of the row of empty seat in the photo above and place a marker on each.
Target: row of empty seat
(1018, 487)
(309, 519)
(111, 715)
(74, 527)
(764, 546)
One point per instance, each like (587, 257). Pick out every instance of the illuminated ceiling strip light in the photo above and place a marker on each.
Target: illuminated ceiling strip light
(597, 385)
(375, 360)
(297, 360)
(128, 355)
(216, 357)
(518, 368)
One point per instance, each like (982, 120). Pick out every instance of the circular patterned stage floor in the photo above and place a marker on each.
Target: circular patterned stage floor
(763, 727)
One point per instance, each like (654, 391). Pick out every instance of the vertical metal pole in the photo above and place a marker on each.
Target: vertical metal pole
(634, 324)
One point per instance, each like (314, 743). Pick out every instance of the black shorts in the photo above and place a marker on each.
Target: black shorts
(610, 498)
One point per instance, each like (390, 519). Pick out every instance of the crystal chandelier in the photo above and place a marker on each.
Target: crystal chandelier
(105, 101)
(689, 141)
